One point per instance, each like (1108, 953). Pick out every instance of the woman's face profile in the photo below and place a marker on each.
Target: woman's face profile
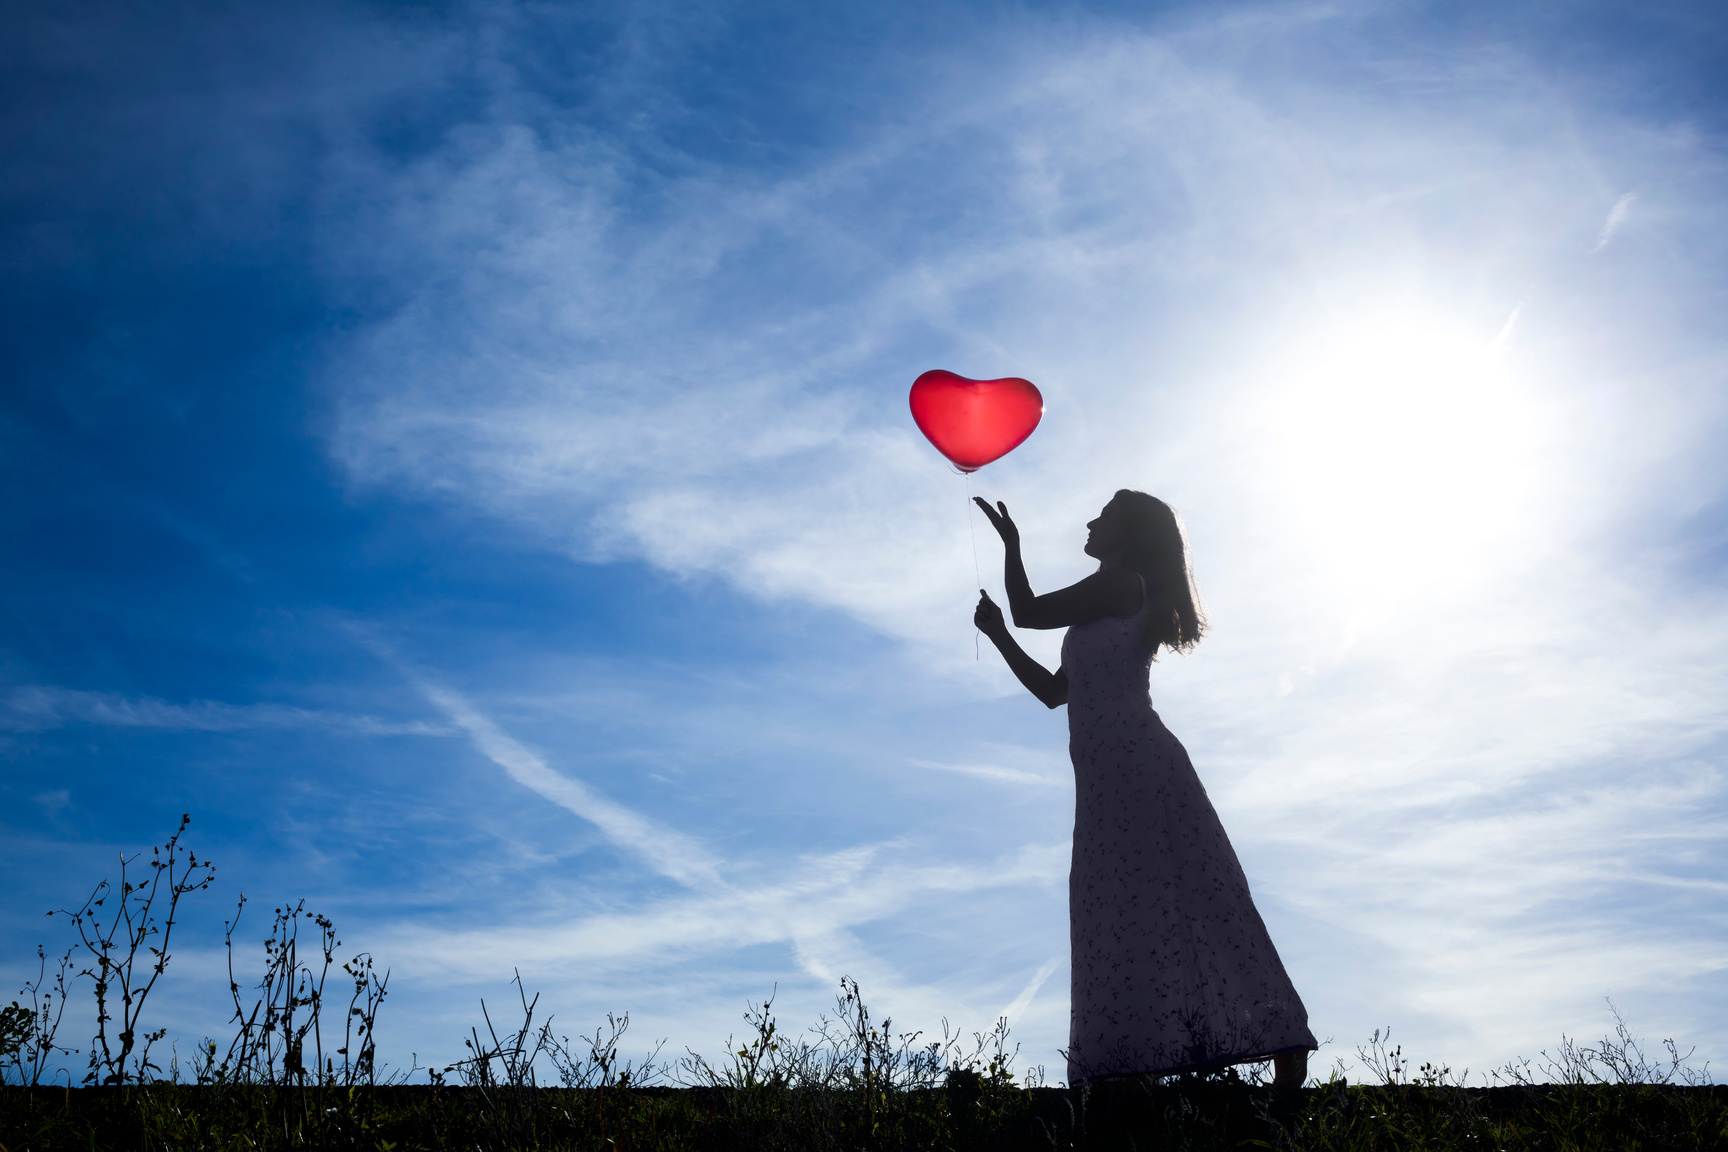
(1104, 537)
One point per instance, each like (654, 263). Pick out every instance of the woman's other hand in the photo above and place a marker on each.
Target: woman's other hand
(987, 618)
(1001, 521)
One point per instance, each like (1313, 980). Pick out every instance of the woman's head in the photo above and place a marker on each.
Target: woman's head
(1143, 533)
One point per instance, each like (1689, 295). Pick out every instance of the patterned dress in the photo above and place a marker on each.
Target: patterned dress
(1172, 967)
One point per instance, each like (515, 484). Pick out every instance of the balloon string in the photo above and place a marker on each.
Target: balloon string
(972, 531)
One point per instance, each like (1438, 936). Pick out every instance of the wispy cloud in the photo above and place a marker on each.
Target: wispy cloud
(662, 849)
(41, 707)
(830, 892)
(816, 912)
(994, 773)
(1023, 1001)
(1616, 217)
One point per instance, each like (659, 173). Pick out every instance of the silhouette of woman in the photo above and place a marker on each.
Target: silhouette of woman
(1172, 968)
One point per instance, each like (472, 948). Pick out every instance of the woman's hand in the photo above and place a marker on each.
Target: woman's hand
(1050, 687)
(987, 618)
(1001, 521)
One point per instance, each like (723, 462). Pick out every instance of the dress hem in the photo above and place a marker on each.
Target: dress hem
(1208, 1066)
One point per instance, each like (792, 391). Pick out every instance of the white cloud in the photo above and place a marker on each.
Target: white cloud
(662, 849)
(1616, 217)
(994, 773)
(1020, 1003)
(38, 707)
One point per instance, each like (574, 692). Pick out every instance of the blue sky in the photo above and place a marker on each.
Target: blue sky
(459, 454)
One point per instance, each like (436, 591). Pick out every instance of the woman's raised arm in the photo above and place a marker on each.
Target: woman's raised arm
(1107, 592)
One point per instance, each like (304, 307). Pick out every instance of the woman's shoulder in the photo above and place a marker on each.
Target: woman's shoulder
(1125, 590)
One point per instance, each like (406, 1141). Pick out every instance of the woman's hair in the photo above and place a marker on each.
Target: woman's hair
(1157, 549)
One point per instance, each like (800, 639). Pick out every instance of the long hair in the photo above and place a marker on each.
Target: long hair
(1157, 549)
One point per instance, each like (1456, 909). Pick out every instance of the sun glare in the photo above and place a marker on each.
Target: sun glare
(1404, 448)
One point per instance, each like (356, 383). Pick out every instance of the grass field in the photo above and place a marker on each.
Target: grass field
(1198, 1114)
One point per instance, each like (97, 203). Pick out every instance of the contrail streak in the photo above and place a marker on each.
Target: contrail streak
(670, 853)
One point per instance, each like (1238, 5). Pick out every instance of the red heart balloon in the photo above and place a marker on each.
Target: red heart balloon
(973, 422)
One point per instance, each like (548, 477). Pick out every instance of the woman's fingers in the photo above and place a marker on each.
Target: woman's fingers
(999, 520)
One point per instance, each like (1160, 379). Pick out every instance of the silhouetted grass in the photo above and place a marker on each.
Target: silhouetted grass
(848, 1082)
(1199, 1114)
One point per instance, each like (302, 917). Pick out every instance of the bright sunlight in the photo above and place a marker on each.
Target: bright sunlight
(1405, 447)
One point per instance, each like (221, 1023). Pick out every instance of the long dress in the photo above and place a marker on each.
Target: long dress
(1173, 969)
